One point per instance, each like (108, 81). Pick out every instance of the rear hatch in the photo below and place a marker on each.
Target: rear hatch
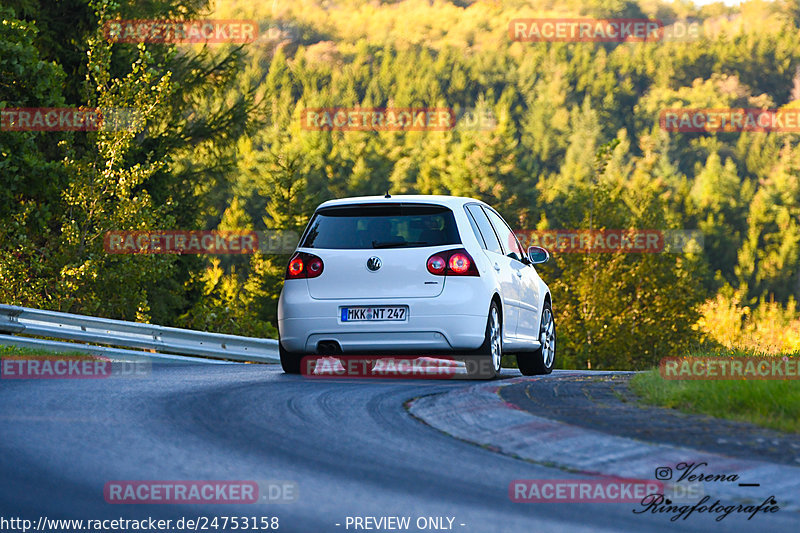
(378, 251)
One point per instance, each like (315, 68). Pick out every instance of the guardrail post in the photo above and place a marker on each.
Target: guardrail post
(9, 323)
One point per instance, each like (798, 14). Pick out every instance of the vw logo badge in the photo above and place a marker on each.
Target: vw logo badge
(374, 264)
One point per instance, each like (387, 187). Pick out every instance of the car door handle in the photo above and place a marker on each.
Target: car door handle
(497, 267)
(519, 274)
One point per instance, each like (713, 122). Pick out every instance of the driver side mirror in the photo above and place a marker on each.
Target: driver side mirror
(538, 255)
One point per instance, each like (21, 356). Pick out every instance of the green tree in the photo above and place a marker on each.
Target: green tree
(718, 200)
(769, 259)
(623, 310)
(31, 172)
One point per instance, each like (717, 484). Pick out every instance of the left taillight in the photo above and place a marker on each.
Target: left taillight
(452, 263)
(303, 266)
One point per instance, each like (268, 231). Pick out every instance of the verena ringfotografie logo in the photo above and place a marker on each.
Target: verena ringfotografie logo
(613, 30)
(181, 31)
(69, 367)
(70, 119)
(693, 474)
(378, 119)
(730, 120)
(200, 242)
(203, 492)
(612, 240)
(714, 368)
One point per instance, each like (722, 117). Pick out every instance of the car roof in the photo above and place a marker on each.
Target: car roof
(449, 201)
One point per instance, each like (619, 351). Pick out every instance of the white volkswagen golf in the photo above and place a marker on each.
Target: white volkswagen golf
(415, 275)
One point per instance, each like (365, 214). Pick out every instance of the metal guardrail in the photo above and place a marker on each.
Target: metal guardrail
(117, 336)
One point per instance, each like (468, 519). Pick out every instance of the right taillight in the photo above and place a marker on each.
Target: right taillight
(303, 266)
(452, 263)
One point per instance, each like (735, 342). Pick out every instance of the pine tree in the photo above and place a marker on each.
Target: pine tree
(769, 259)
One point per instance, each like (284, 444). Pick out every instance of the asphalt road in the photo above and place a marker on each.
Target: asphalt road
(350, 445)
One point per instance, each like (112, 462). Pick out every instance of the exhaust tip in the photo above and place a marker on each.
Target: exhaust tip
(328, 348)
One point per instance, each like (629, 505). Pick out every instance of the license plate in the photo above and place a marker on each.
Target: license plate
(374, 314)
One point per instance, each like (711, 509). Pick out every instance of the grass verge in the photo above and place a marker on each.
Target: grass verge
(18, 351)
(769, 403)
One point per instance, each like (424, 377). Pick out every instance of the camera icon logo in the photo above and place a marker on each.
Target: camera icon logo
(663, 473)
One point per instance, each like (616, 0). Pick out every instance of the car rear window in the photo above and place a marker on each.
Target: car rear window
(358, 227)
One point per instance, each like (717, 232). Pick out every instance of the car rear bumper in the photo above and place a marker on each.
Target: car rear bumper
(454, 320)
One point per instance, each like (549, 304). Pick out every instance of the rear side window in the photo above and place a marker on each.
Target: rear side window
(485, 228)
(475, 230)
(374, 226)
(507, 236)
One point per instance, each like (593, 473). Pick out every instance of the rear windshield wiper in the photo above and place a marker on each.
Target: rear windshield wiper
(396, 244)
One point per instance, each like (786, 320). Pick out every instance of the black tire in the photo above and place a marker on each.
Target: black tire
(290, 361)
(541, 361)
(486, 361)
